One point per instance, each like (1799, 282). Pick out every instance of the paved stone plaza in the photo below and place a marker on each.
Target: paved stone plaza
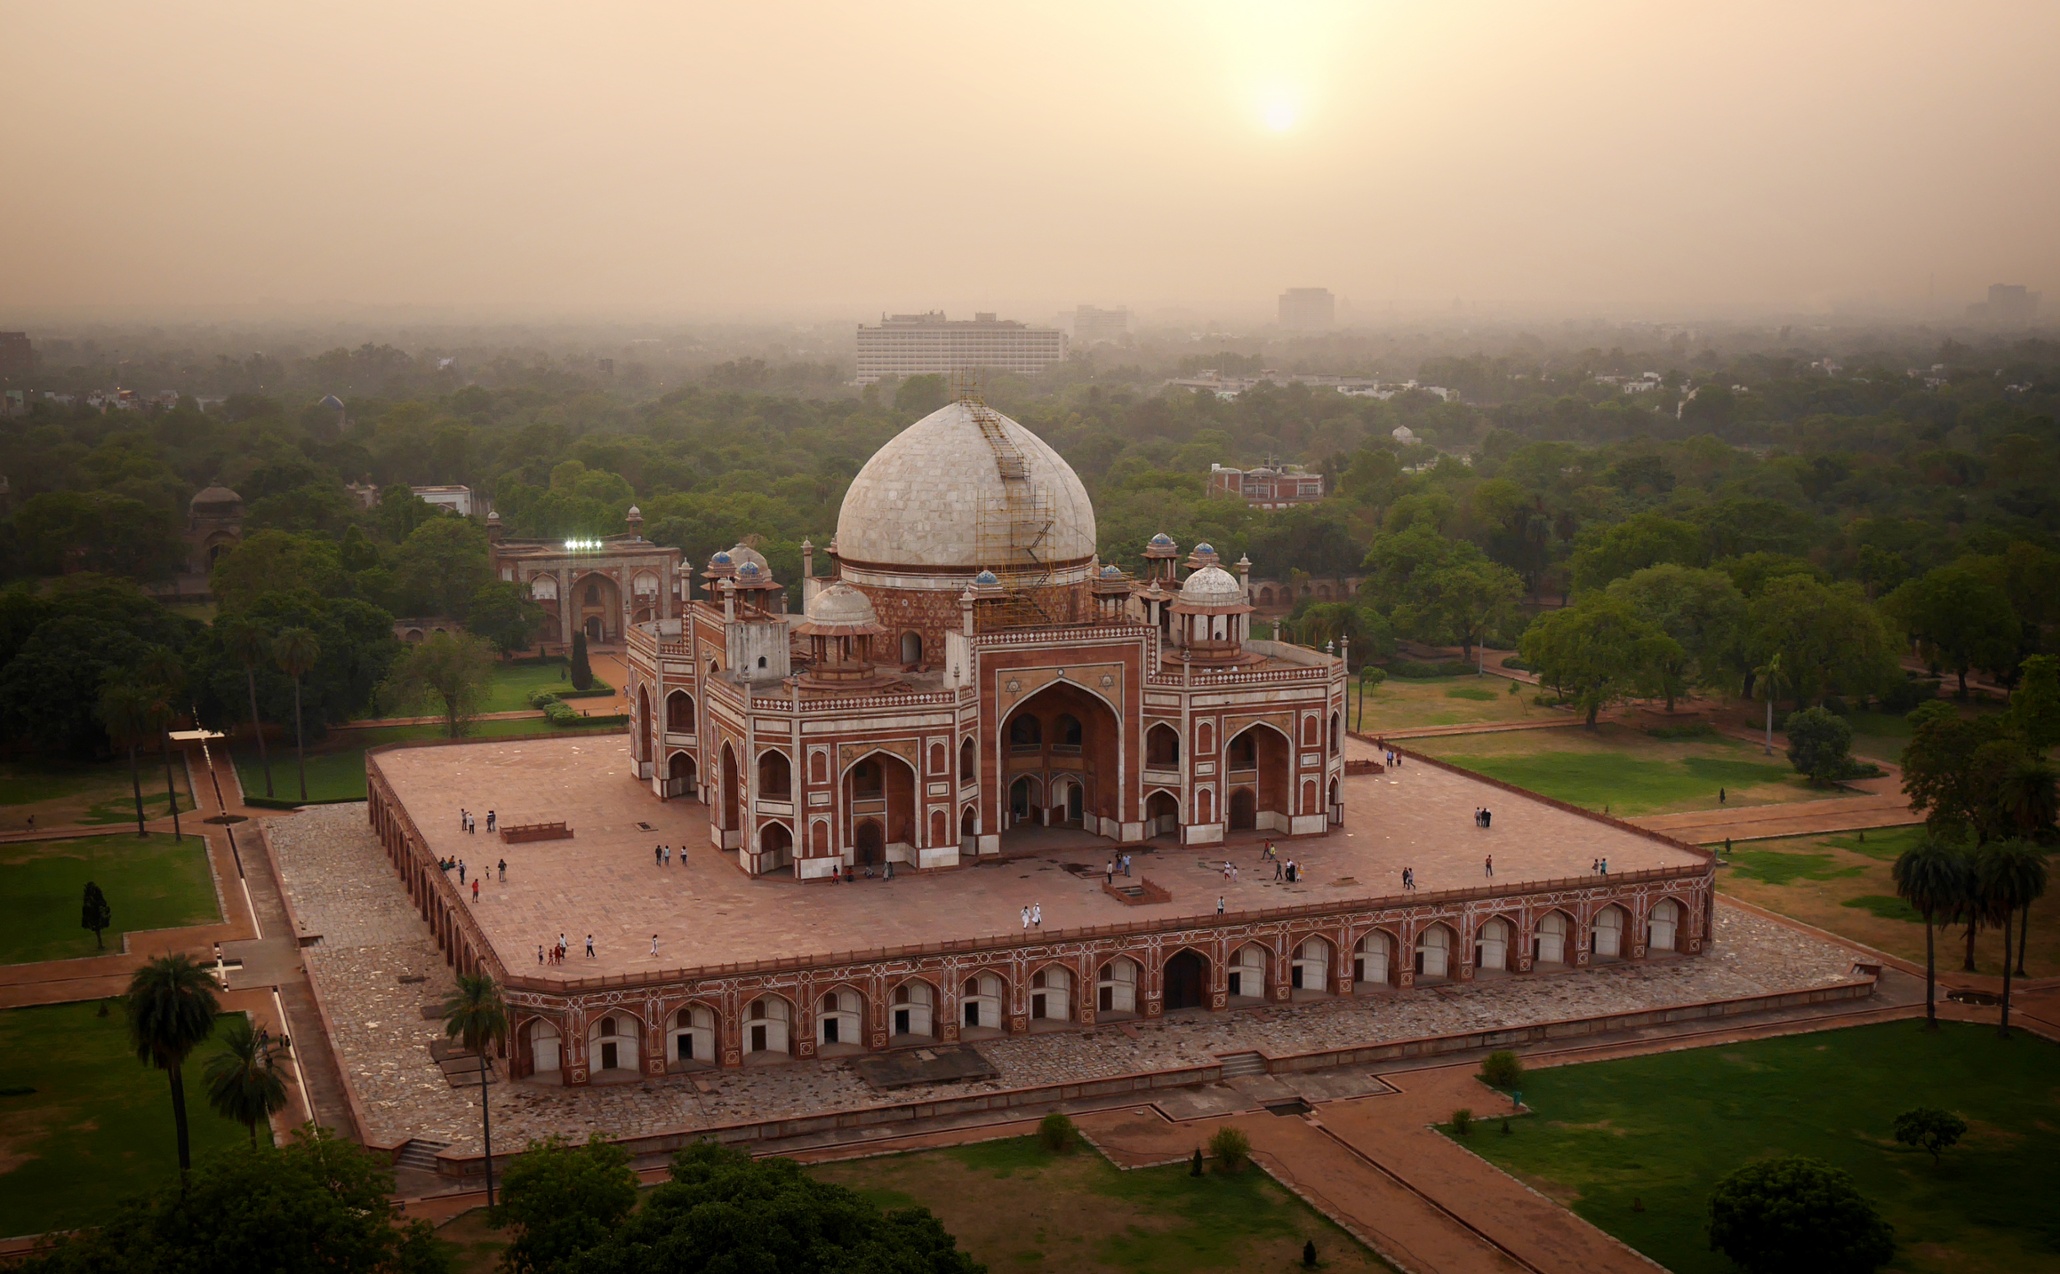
(342, 886)
(705, 911)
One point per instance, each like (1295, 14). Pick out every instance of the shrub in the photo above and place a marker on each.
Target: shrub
(1501, 1069)
(1462, 1121)
(1905, 695)
(1793, 1213)
(1416, 669)
(541, 699)
(1516, 662)
(1057, 1133)
(560, 713)
(1694, 730)
(1231, 1149)
(1930, 1129)
(1819, 743)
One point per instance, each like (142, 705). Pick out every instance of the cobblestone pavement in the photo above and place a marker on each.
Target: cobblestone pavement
(342, 887)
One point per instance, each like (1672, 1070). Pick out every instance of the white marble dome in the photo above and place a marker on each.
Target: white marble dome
(1212, 586)
(841, 604)
(918, 502)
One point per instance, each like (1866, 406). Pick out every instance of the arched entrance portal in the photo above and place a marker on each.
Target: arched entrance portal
(729, 819)
(1257, 765)
(679, 775)
(1187, 981)
(1061, 753)
(597, 608)
(880, 804)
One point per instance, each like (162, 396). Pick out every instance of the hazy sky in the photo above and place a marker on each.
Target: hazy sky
(752, 159)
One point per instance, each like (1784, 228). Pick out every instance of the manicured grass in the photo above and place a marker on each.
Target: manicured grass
(1843, 882)
(336, 772)
(1403, 703)
(1659, 1131)
(150, 883)
(98, 1126)
(1076, 1212)
(65, 794)
(1625, 770)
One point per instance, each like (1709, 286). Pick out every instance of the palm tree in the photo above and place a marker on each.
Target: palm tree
(165, 674)
(296, 652)
(249, 645)
(476, 1016)
(1769, 678)
(128, 712)
(1929, 878)
(171, 1007)
(245, 1081)
(2009, 874)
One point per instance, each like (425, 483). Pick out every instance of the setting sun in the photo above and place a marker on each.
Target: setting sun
(1281, 114)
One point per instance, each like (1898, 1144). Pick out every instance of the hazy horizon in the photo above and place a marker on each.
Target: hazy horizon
(813, 162)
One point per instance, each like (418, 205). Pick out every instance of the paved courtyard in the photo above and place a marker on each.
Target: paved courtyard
(341, 886)
(604, 881)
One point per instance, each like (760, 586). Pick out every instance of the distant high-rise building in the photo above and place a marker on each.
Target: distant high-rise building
(1091, 324)
(17, 355)
(1308, 309)
(2007, 303)
(929, 344)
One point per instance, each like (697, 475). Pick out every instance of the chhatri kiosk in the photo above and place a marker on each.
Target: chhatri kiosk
(968, 668)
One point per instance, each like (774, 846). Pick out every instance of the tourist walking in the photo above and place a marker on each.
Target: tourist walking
(658, 855)
(475, 891)
(1219, 904)
(1279, 873)
(1026, 919)
(1126, 868)
(1487, 818)
(1109, 872)
(590, 946)
(1037, 915)
(1720, 796)
(461, 871)
(489, 820)
(539, 953)
(1490, 866)
(654, 944)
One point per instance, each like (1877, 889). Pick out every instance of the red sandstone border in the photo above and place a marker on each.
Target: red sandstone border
(660, 1143)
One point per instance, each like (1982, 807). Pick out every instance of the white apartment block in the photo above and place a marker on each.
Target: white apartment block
(929, 344)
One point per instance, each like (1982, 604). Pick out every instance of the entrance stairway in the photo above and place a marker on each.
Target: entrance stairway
(419, 1155)
(1239, 1065)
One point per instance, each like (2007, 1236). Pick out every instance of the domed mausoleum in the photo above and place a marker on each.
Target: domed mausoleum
(967, 677)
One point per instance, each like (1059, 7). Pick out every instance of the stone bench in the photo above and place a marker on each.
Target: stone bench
(515, 833)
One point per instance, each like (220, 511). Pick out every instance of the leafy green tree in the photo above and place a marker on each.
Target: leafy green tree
(295, 651)
(1819, 745)
(476, 1016)
(1932, 878)
(2009, 876)
(1794, 1215)
(171, 1008)
(60, 531)
(249, 645)
(561, 1200)
(244, 1080)
(452, 672)
(2035, 703)
(918, 396)
(503, 613)
(1437, 589)
(1595, 652)
(1829, 637)
(1937, 776)
(277, 562)
(317, 1205)
(1699, 608)
(1958, 620)
(130, 714)
(724, 1210)
(582, 671)
(1930, 1129)
(95, 914)
(441, 567)
(1640, 541)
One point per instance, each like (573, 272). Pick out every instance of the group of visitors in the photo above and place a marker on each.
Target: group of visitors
(469, 821)
(1408, 879)
(1599, 867)
(458, 865)
(662, 855)
(1033, 917)
(1119, 863)
(1483, 816)
(557, 951)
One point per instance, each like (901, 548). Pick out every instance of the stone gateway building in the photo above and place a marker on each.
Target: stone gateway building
(968, 685)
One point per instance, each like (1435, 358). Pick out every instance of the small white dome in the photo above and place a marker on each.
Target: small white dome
(744, 555)
(841, 604)
(1212, 586)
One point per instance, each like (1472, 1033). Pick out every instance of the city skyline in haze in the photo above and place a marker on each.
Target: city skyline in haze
(816, 161)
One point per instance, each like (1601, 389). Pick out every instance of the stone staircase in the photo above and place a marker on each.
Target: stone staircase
(1239, 1065)
(419, 1155)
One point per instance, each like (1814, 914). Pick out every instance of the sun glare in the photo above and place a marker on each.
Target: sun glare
(1280, 114)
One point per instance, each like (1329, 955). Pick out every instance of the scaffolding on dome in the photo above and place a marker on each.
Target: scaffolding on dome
(1014, 526)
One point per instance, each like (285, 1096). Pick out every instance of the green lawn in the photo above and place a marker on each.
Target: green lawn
(1076, 1212)
(336, 771)
(68, 793)
(1659, 1131)
(151, 883)
(97, 1125)
(1404, 703)
(514, 683)
(1627, 770)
